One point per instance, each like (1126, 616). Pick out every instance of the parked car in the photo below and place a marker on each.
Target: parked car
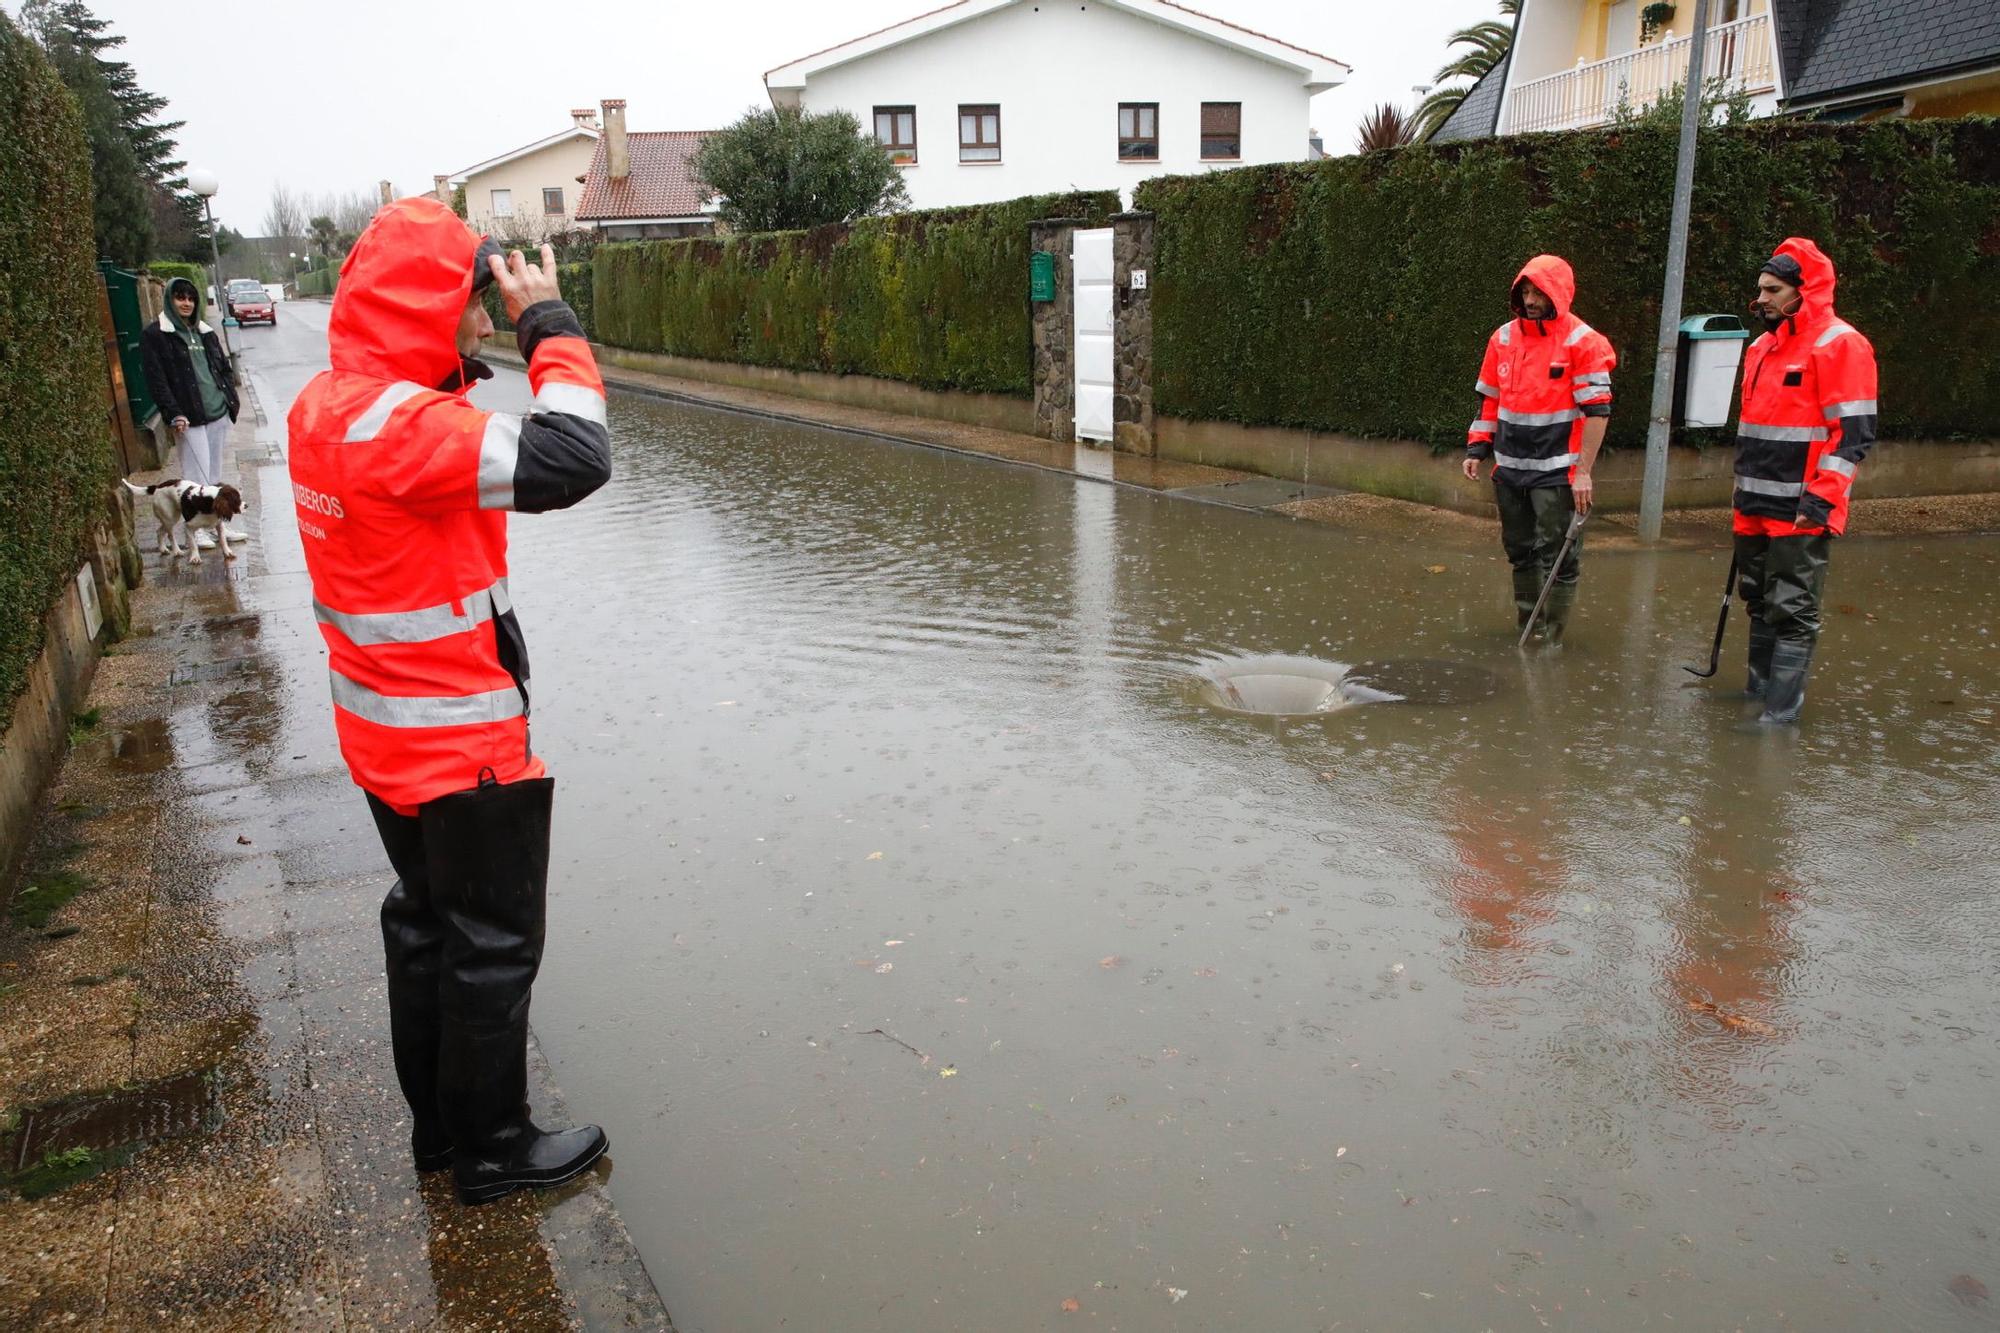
(253, 308)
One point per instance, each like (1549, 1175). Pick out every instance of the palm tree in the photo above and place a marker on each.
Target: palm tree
(1487, 43)
(1386, 127)
(325, 235)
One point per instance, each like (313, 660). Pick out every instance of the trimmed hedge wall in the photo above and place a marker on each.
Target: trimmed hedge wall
(1356, 294)
(54, 450)
(166, 270)
(318, 282)
(934, 298)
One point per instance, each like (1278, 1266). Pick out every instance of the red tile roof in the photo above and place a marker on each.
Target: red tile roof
(657, 186)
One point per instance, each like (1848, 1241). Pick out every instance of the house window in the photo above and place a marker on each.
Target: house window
(1221, 131)
(979, 133)
(896, 131)
(1138, 131)
(503, 203)
(552, 200)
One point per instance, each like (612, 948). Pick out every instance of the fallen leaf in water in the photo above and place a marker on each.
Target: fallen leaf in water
(1784, 895)
(1734, 1022)
(1968, 1289)
(1204, 971)
(1176, 1294)
(1846, 609)
(245, 841)
(1434, 569)
(726, 703)
(890, 944)
(874, 856)
(949, 1071)
(885, 967)
(1685, 822)
(1110, 961)
(1340, 1151)
(1071, 1305)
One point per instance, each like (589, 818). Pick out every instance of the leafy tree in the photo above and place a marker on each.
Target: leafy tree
(1387, 126)
(782, 169)
(1487, 43)
(325, 235)
(142, 200)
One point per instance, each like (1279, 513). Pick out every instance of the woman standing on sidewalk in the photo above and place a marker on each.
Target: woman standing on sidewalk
(190, 380)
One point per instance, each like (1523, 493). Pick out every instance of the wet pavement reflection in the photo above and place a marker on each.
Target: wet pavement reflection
(935, 955)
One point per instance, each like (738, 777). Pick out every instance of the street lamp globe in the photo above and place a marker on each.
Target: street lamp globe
(202, 183)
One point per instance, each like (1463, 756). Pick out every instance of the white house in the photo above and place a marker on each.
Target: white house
(993, 99)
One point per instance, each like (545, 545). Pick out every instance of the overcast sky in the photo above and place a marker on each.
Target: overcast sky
(336, 96)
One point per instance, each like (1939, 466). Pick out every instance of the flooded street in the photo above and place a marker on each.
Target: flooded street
(936, 949)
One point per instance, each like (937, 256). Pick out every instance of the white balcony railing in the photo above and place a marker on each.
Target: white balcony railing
(1738, 53)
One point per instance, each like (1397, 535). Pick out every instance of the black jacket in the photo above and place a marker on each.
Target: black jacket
(170, 371)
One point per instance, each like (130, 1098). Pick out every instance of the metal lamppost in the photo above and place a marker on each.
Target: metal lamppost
(1653, 488)
(203, 184)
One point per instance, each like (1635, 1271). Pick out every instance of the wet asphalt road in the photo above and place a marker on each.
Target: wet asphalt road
(935, 953)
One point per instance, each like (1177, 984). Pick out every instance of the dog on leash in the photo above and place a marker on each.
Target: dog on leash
(200, 507)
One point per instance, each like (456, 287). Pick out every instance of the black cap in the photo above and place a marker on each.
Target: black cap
(482, 272)
(1785, 269)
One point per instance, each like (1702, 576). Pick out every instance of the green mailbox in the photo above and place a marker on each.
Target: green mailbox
(1041, 276)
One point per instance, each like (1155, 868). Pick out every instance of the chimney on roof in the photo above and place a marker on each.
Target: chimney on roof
(584, 117)
(441, 187)
(387, 190)
(618, 162)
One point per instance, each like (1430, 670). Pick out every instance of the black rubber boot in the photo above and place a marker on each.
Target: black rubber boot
(412, 947)
(1555, 616)
(488, 853)
(1785, 694)
(1527, 587)
(1762, 640)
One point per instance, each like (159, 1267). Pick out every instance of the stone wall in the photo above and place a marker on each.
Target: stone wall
(1132, 339)
(1051, 334)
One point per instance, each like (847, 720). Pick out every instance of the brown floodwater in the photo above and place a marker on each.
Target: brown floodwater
(938, 949)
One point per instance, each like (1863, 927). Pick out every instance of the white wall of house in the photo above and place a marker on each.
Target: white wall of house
(522, 180)
(1058, 73)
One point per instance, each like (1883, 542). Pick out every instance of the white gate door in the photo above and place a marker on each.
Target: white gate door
(1090, 263)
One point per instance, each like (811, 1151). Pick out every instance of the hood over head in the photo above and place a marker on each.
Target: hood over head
(1553, 275)
(1804, 265)
(402, 291)
(188, 324)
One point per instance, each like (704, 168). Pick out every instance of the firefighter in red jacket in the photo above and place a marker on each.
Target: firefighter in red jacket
(402, 489)
(1807, 422)
(1544, 401)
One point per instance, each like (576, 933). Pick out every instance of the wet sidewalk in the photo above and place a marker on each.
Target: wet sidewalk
(193, 1031)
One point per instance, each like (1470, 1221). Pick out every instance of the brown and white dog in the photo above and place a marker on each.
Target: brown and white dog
(200, 507)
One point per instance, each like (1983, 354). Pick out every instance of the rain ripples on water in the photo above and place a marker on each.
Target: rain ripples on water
(937, 949)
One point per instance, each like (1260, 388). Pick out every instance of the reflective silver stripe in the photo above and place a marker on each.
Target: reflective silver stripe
(1592, 393)
(1833, 332)
(369, 424)
(1481, 427)
(1853, 407)
(574, 400)
(1751, 430)
(1487, 389)
(366, 629)
(1512, 417)
(1835, 463)
(1758, 486)
(1536, 464)
(395, 710)
(1506, 333)
(1595, 377)
(499, 451)
(1578, 334)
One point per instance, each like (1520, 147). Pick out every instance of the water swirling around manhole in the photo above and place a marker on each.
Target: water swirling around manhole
(1284, 686)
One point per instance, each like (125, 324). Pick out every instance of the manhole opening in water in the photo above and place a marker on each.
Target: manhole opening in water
(105, 1121)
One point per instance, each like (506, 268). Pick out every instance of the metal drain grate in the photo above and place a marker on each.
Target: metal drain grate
(164, 1110)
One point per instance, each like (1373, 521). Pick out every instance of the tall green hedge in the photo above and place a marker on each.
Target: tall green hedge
(934, 298)
(54, 452)
(574, 279)
(318, 282)
(1356, 294)
(166, 270)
